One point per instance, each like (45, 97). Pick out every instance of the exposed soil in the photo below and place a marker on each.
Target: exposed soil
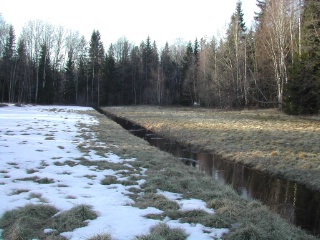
(267, 140)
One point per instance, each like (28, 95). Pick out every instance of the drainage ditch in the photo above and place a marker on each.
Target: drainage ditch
(294, 202)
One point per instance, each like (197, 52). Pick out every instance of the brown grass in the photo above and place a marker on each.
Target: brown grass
(246, 219)
(267, 140)
(167, 173)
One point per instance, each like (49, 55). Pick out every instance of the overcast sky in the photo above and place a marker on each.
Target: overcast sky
(162, 20)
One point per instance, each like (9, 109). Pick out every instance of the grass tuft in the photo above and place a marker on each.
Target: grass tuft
(73, 218)
(19, 191)
(101, 237)
(162, 231)
(26, 222)
(108, 180)
(157, 201)
(31, 171)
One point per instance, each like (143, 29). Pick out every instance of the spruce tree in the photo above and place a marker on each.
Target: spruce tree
(70, 86)
(45, 84)
(7, 67)
(96, 57)
(303, 91)
(83, 78)
(261, 4)
(22, 70)
(240, 16)
(185, 98)
(109, 75)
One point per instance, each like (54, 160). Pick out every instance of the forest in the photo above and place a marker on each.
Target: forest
(274, 63)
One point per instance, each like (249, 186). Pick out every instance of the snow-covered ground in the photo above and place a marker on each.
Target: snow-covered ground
(33, 138)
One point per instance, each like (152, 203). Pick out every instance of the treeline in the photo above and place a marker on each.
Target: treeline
(274, 63)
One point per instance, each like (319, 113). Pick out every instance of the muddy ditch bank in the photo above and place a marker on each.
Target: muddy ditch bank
(294, 202)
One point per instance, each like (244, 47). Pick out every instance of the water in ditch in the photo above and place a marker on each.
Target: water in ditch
(292, 201)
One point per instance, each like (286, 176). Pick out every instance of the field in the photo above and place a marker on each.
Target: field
(71, 173)
(268, 140)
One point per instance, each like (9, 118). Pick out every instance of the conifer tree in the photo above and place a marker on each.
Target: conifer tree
(70, 86)
(303, 91)
(261, 4)
(136, 74)
(109, 74)
(83, 79)
(169, 77)
(45, 87)
(22, 72)
(147, 63)
(7, 81)
(185, 85)
(96, 56)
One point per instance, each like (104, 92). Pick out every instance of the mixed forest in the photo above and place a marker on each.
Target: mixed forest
(274, 63)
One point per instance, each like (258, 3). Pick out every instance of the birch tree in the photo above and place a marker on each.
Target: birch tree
(276, 41)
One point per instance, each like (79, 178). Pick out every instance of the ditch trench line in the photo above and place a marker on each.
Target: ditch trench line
(292, 201)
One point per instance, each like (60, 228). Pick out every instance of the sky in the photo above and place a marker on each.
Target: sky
(162, 20)
(35, 137)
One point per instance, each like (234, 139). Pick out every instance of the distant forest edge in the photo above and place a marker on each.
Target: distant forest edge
(274, 63)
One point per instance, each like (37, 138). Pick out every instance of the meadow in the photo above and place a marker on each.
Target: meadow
(267, 139)
(72, 173)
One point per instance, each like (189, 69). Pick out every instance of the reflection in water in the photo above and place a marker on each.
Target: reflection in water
(292, 201)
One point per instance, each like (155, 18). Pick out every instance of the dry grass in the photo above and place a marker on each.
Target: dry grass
(167, 173)
(73, 218)
(267, 140)
(26, 222)
(163, 231)
(29, 221)
(101, 237)
(246, 219)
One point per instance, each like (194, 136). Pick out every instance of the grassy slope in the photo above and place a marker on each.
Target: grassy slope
(246, 219)
(267, 140)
